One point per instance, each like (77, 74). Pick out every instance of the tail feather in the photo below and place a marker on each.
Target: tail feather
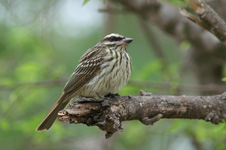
(52, 114)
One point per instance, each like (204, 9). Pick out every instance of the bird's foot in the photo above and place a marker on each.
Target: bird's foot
(81, 99)
(98, 95)
(110, 95)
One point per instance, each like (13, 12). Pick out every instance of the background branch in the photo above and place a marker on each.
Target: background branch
(206, 55)
(141, 84)
(213, 22)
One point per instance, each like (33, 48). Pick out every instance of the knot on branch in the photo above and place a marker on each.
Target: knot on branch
(151, 121)
(223, 96)
(142, 93)
(213, 117)
(93, 112)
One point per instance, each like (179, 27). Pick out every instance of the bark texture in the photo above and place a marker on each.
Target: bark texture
(109, 113)
(212, 21)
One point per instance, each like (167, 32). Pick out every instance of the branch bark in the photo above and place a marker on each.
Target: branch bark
(109, 113)
(210, 18)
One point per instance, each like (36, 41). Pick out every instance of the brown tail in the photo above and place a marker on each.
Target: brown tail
(52, 114)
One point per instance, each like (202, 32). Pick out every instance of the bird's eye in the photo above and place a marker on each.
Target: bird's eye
(112, 38)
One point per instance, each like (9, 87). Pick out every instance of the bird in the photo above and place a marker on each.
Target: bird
(104, 69)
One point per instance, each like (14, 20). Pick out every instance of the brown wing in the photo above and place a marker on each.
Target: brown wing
(92, 52)
(85, 71)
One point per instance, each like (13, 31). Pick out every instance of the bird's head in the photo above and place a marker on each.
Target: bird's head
(115, 39)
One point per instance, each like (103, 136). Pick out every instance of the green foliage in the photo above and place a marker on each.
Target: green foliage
(185, 45)
(85, 2)
(224, 79)
(180, 3)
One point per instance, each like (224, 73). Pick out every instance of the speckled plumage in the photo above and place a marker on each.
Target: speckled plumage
(103, 69)
(114, 73)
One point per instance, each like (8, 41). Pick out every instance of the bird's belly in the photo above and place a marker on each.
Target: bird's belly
(109, 80)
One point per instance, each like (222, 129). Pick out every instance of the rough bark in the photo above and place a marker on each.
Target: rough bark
(212, 21)
(109, 113)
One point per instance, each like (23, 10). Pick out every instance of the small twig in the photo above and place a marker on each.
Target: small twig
(192, 18)
(142, 93)
(33, 84)
(184, 87)
(151, 121)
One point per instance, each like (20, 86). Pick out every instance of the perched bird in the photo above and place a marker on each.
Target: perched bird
(104, 69)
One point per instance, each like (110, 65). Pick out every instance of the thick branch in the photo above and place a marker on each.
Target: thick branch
(108, 113)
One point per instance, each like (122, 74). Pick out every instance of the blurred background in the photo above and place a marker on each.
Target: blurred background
(40, 46)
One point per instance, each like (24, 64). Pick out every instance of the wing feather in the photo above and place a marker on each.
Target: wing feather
(86, 70)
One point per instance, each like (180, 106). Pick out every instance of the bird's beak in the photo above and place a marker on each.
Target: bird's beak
(126, 41)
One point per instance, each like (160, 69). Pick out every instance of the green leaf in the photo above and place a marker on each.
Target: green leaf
(185, 45)
(84, 2)
(224, 79)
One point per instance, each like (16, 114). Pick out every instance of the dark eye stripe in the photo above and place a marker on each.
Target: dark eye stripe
(113, 38)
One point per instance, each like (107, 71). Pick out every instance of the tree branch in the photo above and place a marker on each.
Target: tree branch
(210, 19)
(142, 84)
(109, 113)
